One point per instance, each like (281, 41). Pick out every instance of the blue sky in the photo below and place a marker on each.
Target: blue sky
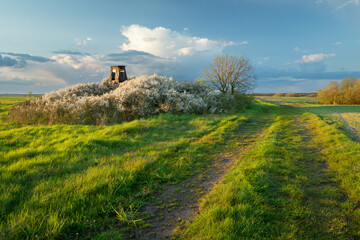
(296, 46)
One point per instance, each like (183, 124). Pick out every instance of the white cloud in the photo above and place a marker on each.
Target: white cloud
(164, 42)
(262, 60)
(35, 77)
(80, 42)
(297, 49)
(93, 65)
(339, 4)
(147, 51)
(315, 58)
(187, 51)
(338, 43)
(67, 60)
(231, 43)
(346, 3)
(77, 62)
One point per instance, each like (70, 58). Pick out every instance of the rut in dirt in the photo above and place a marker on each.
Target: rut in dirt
(178, 204)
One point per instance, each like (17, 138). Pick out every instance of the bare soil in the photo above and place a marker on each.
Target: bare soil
(177, 204)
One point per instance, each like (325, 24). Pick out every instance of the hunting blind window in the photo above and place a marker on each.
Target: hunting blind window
(113, 74)
(118, 74)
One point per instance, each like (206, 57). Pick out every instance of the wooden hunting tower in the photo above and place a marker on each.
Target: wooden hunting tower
(118, 74)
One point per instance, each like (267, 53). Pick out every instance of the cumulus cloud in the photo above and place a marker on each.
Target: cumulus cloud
(164, 42)
(96, 67)
(186, 51)
(68, 60)
(146, 51)
(314, 58)
(338, 43)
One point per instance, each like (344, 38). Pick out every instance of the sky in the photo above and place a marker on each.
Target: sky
(295, 45)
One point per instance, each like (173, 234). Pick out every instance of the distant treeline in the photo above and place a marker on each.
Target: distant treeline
(20, 95)
(345, 93)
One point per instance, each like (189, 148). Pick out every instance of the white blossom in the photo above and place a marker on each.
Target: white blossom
(142, 96)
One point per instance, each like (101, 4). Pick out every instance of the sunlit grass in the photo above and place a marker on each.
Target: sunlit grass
(64, 181)
(292, 101)
(298, 182)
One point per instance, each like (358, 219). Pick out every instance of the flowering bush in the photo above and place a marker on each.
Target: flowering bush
(93, 103)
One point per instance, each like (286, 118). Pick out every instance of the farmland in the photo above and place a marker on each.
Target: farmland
(291, 172)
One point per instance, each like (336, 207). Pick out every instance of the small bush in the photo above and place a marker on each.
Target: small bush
(106, 103)
(290, 95)
(313, 95)
(279, 95)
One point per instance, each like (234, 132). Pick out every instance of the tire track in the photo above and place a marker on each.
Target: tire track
(178, 204)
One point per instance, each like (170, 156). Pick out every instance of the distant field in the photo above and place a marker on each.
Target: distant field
(299, 178)
(291, 101)
(346, 117)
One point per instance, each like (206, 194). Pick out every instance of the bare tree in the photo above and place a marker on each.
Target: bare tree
(231, 74)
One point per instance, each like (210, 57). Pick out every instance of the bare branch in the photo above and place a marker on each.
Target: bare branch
(231, 74)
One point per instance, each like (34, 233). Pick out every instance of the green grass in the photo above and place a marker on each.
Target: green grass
(64, 181)
(6, 103)
(299, 180)
(346, 118)
(295, 184)
(290, 101)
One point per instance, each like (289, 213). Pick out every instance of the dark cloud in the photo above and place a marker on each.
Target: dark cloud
(19, 60)
(7, 61)
(316, 67)
(139, 62)
(274, 80)
(129, 53)
(69, 52)
(301, 74)
(21, 86)
(134, 57)
(28, 57)
(15, 82)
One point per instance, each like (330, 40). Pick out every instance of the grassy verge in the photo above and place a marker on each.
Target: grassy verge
(68, 181)
(283, 189)
(342, 155)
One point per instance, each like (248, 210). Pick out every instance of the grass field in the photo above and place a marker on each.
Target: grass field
(66, 181)
(290, 101)
(299, 179)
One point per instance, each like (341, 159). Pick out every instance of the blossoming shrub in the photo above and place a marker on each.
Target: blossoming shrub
(105, 103)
